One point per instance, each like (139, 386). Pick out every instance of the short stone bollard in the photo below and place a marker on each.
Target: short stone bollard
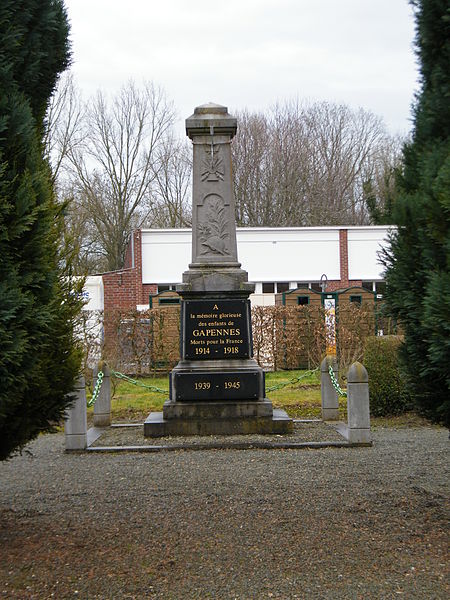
(330, 398)
(102, 406)
(75, 427)
(358, 409)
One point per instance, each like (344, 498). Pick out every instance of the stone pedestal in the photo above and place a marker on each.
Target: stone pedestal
(102, 406)
(75, 426)
(329, 396)
(217, 387)
(358, 408)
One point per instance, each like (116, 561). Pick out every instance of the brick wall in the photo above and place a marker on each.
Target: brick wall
(343, 282)
(138, 267)
(147, 289)
(119, 289)
(128, 263)
(343, 257)
(123, 289)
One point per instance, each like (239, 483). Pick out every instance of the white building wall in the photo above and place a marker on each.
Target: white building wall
(364, 246)
(262, 299)
(267, 254)
(92, 335)
(93, 293)
(166, 254)
(289, 254)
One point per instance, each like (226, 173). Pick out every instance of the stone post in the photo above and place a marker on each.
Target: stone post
(358, 404)
(102, 406)
(75, 428)
(330, 398)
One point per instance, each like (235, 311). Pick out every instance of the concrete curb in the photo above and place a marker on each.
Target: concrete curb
(95, 432)
(227, 446)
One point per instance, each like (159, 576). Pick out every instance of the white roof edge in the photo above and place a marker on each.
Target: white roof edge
(316, 228)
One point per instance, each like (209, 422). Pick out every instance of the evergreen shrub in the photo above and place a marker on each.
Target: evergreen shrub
(39, 301)
(387, 384)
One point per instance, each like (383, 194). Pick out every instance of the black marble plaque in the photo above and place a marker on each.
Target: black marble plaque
(216, 329)
(216, 386)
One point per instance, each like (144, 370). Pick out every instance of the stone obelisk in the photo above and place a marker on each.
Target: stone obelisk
(217, 387)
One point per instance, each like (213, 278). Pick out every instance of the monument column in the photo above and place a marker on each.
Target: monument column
(215, 265)
(217, 387)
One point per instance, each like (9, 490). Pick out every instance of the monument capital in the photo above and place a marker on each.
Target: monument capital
(211, 119)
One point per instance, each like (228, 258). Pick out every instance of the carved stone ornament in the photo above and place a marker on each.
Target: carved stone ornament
(213, 230)
(212, 164)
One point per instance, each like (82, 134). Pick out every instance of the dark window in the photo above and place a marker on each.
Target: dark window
(380, 287)
(316, 286)
(170, 300)
(163, 288)
(302, 284)
(282, 287)
(302, 300)
(268, 288)
(356, 299)
(368, 285)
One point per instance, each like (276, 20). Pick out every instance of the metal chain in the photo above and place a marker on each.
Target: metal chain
(97, 387)
(279, 386)
(139, 383)
(153, 388)
(335, 382)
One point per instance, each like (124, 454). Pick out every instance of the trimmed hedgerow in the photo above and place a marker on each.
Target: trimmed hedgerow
(387, 385)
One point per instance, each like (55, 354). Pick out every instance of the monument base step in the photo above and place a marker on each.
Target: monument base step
(217, 410)
(157, 426)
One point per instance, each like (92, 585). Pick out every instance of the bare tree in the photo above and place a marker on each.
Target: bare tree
(64, 122)
(112, 168)
(80, 233)
(250, 152)
(171, 188)
(307, 164)
(119, 167)
(380, 187)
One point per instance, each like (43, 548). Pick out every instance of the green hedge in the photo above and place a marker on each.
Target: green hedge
(388, 394)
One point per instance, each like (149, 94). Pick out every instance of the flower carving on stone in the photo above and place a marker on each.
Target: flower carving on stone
(213, 230)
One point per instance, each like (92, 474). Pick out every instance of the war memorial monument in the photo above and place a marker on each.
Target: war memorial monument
(217, 387)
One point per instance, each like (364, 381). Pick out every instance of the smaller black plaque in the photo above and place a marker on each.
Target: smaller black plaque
(216, 386)
(216, 329)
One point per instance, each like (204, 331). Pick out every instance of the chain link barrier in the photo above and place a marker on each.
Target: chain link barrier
(279, 386)
(97, 387)
(153, 388)
(335, 382)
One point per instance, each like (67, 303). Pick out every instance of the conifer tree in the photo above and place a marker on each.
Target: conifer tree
(418, 263)
(39, 359)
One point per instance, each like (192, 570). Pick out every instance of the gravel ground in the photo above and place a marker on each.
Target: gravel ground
(333, 523)
(303, 432)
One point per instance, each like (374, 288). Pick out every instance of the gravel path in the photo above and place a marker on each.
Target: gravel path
(334, 523)
(316, 431)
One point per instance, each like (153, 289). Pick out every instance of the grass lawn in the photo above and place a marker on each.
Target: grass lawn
(299, 399)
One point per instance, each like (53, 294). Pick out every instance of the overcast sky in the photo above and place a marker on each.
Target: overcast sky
(251, 53)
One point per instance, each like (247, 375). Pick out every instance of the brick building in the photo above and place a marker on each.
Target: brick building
(287, 266)
(277, 260)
